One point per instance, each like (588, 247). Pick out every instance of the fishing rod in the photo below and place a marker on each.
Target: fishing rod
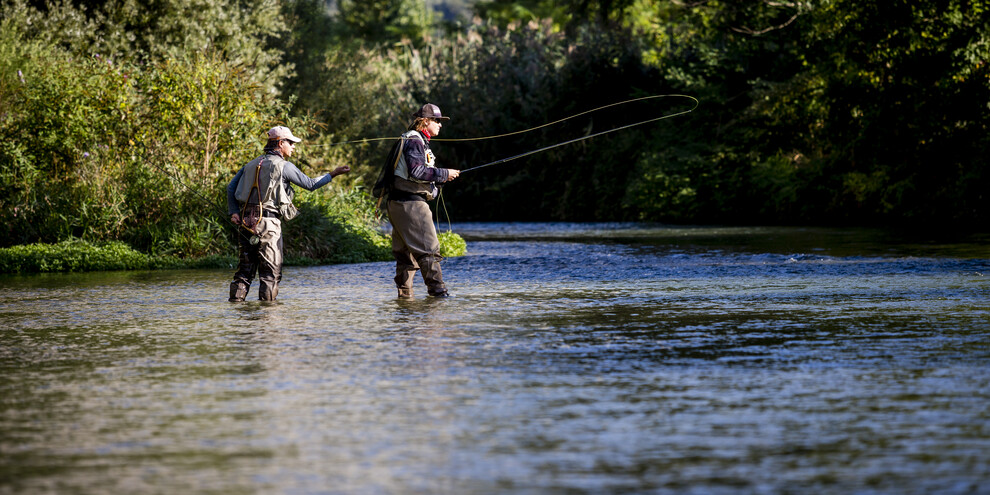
(582, 138)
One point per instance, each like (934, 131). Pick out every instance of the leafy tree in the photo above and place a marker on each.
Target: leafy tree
(903, 133)
(501, 81)
(826, 111)
(505, 12)
(564, 13)
(249, 33)
(384, 21)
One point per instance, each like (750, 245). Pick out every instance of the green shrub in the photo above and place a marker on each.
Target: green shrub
(452, 245)
(130, 140)
(79, 256)
(124, 151)
(335, 225)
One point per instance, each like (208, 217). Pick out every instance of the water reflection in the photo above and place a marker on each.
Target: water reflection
(572, 358)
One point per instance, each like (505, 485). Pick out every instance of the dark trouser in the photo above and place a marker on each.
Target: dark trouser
(415, 246)
(264, 258)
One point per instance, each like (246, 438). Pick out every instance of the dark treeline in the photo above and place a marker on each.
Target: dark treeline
(124, 119)
(836, 112)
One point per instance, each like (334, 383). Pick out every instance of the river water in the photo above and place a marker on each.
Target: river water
(573, 358)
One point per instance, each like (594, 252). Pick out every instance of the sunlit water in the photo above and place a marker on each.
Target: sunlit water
(571, 359)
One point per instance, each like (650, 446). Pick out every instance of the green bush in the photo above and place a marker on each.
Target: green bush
(119, 150)
(452, 245)
(79, 256)
(125, 135)
(335, 225)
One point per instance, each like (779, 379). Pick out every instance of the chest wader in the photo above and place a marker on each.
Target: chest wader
(414, 238)
(260, 246)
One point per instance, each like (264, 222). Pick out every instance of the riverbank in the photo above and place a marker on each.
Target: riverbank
(77, 255)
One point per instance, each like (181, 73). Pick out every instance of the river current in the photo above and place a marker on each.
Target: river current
(572, 358)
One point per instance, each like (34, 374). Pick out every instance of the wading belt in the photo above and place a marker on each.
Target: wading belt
(398, 195)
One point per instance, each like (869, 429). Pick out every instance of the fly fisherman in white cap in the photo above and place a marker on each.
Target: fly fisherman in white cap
(410, 179)
(259, 197)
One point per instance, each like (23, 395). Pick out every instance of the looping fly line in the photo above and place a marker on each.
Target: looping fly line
(589, 136)
(503, 160)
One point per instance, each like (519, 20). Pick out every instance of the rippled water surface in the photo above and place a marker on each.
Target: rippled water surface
(571, 359)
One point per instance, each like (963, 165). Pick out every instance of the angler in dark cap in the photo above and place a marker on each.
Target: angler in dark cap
(409, 179)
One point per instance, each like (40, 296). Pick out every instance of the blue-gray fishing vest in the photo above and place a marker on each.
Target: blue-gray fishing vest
(272, 193)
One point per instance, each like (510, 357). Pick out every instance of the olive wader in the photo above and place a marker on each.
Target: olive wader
(415, 247)
(264, 257)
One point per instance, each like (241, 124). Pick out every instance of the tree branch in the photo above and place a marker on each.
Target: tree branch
(753, 32)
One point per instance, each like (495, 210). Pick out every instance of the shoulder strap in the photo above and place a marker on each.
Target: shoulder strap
(398, 155)
(415, 134)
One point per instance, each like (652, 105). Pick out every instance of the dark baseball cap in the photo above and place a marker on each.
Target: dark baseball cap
(429, 111)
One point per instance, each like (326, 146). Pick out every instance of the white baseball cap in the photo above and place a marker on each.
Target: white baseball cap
(282, 132)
